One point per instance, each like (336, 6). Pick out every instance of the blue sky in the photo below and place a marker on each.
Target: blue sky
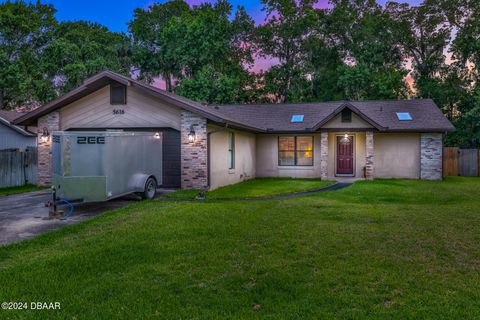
(115, 14)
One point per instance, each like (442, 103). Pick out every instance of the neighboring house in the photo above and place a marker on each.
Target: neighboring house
(12, 136)
(211, 146)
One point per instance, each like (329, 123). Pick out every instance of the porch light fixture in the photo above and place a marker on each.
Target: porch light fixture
(45, 134)
(156, 135)
(191, 135)
(345, 138)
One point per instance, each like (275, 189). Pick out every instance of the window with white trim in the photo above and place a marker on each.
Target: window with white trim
(295, 151)
(231, 150)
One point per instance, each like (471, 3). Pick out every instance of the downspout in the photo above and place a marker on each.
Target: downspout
(208, 151)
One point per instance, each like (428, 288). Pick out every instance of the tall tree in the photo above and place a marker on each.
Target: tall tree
(25, 32)
(365, 36)
(152, 51)
(424, 33)
(81, 49)
(282, 36)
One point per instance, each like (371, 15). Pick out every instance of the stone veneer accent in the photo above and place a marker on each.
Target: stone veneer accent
(369, 156)
(324, 155)
(50, 121)
(193, 155)
(431, 145)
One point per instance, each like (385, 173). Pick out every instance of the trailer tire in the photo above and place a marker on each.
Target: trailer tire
(150, 189)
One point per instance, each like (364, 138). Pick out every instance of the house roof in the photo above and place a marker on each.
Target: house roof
(10, 115)
(21, 131)
(106, 77)
(381, 114)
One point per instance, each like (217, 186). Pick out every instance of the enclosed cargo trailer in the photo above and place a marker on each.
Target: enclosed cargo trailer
(99, 166)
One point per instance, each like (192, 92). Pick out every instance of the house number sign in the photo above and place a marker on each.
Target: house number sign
(118, 111)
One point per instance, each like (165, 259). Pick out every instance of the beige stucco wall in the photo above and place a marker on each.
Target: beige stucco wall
(141, 110)
(267, 159)
(397, 155)
(359, 153)
(336, 122)
(245, 159)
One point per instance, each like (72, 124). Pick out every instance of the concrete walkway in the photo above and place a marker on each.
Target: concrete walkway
(336, 186)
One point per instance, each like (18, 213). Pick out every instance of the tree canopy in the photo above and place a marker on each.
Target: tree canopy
(353, 49)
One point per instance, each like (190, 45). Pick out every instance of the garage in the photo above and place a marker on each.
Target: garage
(110, 103)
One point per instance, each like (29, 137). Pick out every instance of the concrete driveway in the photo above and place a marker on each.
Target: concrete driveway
(23, 216)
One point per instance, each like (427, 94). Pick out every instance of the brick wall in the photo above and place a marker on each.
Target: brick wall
(431, 145)
(369, 156)
(193, 155)
(50, 121)
(324, 155)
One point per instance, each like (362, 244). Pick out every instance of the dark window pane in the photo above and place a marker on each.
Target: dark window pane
(118, 94)
(346, 115)
(286, 158)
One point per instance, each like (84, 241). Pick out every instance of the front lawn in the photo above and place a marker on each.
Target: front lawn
(384, 249)
(21, 189)
(256, 188)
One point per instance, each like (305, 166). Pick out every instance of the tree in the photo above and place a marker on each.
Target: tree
(152, 50)
(366, 39)
(288, 24)
(424, 33)
(81, 49)
(25, 32)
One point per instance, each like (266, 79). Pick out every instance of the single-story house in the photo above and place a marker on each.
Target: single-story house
(12, 136)
(208, 146)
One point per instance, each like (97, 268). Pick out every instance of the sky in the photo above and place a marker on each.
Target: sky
(115, 14)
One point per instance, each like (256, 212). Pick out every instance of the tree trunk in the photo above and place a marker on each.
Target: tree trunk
(168, 82)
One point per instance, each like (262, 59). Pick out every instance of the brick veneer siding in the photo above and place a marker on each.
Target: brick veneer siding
(431, 145)
(369, 156)
(193, 155)
(324, 155)
(50, 121)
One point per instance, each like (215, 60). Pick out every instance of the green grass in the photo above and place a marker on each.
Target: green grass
(21, 189)
(385, 249)
(256, 188)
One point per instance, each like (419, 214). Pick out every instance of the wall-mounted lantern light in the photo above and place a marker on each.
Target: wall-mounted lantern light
(191, 135)
(157, 135)
(345, 138)
(45, 134)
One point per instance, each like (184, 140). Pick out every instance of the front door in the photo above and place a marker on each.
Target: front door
(344, 155)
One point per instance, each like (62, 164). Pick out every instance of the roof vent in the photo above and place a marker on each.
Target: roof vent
(404, 116)
(297, 118)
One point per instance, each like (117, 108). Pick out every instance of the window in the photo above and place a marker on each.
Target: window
(118, 94)
(231, 150)
(346, 115)
(295, 151)
(297, 118)
(404, 116)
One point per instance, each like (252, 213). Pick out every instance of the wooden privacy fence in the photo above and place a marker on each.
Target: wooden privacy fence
(461, 162)
(18, 167)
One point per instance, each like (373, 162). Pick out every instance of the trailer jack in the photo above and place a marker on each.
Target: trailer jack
(54, 212)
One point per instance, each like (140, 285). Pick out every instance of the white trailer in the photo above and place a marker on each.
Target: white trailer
(99, 166)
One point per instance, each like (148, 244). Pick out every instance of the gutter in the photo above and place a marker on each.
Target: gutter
(208, 151)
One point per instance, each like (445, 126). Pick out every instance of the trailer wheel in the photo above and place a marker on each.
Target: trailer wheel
(150, 189)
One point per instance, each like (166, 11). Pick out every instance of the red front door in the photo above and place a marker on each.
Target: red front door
(344, 155)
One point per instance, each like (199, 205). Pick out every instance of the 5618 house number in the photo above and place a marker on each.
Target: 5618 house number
(118, 111)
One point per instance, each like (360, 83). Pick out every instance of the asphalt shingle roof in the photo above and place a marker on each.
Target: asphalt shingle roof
(271, 117)
(277, 117)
